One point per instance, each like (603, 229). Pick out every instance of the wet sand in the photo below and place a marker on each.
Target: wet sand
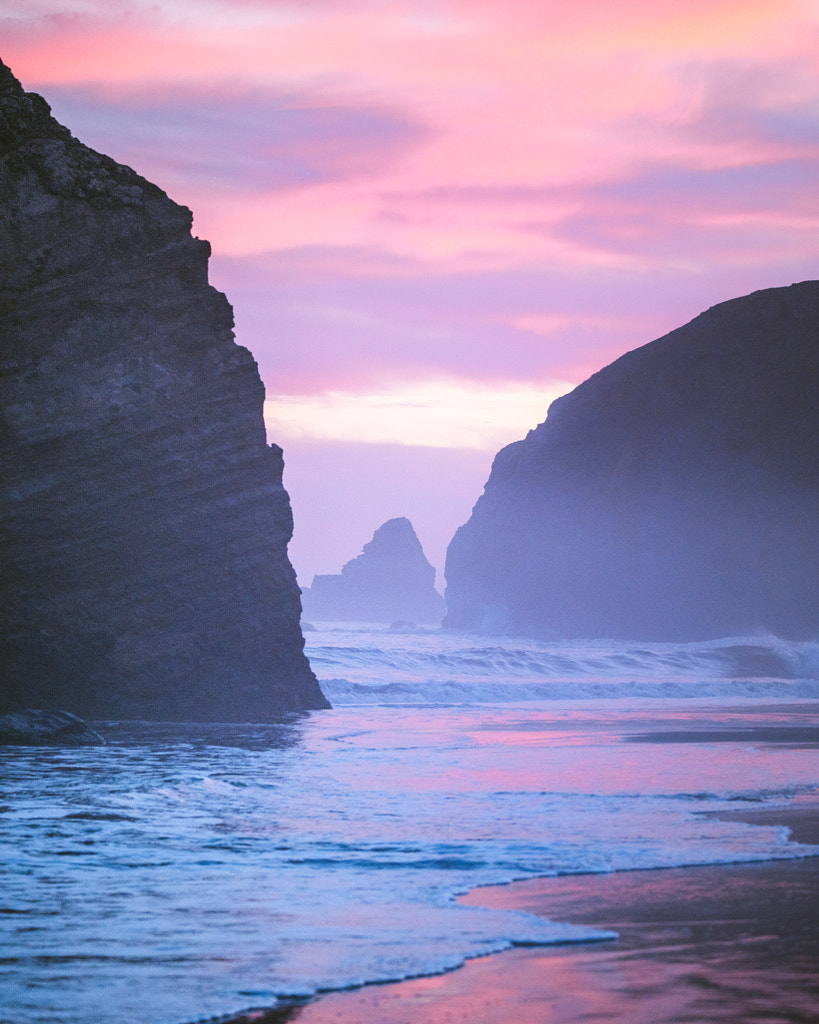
(702, 945)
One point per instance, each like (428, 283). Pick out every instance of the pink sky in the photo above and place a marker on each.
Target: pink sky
(432, 218)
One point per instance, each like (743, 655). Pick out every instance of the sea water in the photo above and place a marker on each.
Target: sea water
(188, 871)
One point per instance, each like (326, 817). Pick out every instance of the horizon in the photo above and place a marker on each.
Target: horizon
(432, 221)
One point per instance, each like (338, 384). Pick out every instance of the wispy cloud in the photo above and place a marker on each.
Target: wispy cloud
(494, 194)
(430, 413)
(234, 139)
(479, 133)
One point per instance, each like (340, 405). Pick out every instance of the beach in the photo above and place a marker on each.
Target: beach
(619, 857)
(730, 943)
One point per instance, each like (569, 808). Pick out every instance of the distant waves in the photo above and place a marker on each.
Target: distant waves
(376, 666)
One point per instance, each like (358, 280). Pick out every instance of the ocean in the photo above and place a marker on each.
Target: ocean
(183, 872)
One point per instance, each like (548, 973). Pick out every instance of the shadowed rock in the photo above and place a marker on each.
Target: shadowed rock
(143, 521)
(672, 496)
(390, 580)
(35, 728)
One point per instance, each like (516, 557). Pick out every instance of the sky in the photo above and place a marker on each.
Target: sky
(433, 218)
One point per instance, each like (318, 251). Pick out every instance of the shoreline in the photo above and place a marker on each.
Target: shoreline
(733, 943)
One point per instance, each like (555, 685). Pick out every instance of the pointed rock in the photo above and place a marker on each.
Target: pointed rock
(390, 580)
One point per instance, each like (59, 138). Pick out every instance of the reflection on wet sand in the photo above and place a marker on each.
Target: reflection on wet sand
(734, 944)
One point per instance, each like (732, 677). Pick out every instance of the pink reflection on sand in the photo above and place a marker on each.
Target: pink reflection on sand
(588, 750)
(731, 945)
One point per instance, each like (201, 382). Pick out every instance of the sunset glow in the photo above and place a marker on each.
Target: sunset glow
(502, 197)
(435, 414)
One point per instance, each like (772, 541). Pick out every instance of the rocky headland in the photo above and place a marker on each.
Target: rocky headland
(391, 580)
(143, 521)
(672, 496)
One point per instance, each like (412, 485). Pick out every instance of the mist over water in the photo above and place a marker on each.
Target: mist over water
(184, 871)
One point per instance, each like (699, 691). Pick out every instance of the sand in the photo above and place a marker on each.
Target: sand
(702, 945)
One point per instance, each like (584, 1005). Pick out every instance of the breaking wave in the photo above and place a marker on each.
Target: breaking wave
(357, 665)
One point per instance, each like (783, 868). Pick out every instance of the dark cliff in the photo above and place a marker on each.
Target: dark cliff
(674, 495)
(391, 579)
(143, 522)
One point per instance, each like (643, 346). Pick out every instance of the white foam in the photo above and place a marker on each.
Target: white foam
(371, 666)
(186, 871)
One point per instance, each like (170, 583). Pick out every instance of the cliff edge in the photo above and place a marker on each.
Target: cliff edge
(672, 496)
(143, 521)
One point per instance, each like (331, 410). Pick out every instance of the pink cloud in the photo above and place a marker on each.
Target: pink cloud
(234, 139)
(483, 190)
(314, 327)
(523, 107)
(319, 319)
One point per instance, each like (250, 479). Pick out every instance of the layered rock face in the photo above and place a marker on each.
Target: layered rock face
(672, 496)
(143, 522)
(390, 580)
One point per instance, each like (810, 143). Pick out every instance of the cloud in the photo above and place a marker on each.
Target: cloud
(770, 103)
(359, 321)
(459, 190)
(692, 217)
(236, 139)
(763, 187)
(429, 413)
(493, 194)
(365, 322)
(470, 132)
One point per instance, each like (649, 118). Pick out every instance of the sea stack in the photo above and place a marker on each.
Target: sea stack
(672, 496)
(143, 521)
(391, 580)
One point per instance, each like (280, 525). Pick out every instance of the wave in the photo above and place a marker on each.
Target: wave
(361, 666)
(186, 870)
(345, 691)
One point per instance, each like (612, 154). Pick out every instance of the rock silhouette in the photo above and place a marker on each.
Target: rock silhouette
(143, 521)
(390, 580)
(672, 496)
